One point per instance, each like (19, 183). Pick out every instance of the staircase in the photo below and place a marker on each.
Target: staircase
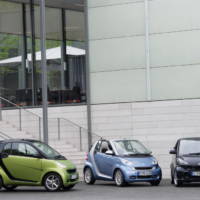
(12, 132)
(68, 150)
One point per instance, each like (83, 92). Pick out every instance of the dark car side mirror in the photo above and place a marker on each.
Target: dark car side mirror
(172, 151)
(109, 152)
(4, 155)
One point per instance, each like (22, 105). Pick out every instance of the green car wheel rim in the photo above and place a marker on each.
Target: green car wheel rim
(52, 182)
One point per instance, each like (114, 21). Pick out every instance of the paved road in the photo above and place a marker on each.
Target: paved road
(108, 191)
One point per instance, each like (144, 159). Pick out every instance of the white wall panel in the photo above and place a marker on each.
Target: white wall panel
(116, 21)
(118, 53)
(180, 48)
(95, 3)
(174, 15)
(118, 86)
(175, 82)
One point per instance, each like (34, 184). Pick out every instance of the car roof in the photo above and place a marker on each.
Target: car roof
(190, 138)
(18, 140)
(115, 140)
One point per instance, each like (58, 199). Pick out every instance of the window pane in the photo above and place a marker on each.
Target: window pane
(11, 67)
(7, 148)
(19, 149)
(31, 151)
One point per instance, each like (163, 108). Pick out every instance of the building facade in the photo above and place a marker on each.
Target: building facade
(144, 71)
(138, 59)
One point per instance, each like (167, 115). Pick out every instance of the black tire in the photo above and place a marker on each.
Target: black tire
(1, 183)
(68, 187)
(119, 178)
(53, 182)
(177, 182)
(89, 176)
(155, 183)
(172, 178)
(10, 187)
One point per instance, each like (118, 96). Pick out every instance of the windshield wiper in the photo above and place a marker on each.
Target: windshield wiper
(198, 153)
(137, 154)
(60, 157)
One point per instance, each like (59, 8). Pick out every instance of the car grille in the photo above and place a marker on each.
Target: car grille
(192, 168)
(143, 168)
(71, 171)
(143, 177)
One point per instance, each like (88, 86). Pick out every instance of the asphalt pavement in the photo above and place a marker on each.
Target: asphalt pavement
(108, 191)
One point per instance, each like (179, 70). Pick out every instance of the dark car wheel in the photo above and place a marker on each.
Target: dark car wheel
(155, 183)
(10, 187)
(119, 178)
(53, 182)
(172, 179)
(177, 182)
(88, 176)
(1, 182)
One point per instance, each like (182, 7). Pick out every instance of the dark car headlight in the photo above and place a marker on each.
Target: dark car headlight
(180, 161)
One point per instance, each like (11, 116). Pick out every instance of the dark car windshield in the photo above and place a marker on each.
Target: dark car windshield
(189, 147)
(49, 152)
(130, 148)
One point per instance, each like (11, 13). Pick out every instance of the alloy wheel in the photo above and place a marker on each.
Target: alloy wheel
(53, 182)
(119, 178)
(88, 176)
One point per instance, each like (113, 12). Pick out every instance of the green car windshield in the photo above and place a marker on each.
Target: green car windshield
(130, 148)
(49, 152)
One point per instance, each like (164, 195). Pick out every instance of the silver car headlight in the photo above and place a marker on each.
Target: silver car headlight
(126, 162)
(154, 162)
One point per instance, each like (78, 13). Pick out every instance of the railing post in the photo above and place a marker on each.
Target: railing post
(40, 135)
(58, 128)
(20, 119)
(80, 135)
(0, 109)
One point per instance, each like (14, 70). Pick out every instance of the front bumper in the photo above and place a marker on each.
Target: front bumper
(69, 180)
(135, 175)
(187, 174)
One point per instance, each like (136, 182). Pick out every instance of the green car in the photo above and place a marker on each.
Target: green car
(33, 163)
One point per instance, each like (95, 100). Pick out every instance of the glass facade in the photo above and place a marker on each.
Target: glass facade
(20, 56)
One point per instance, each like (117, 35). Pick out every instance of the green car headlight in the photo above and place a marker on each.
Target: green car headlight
(61, 165)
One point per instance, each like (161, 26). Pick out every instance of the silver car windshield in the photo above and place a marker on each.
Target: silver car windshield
(189, 147)
(130, 147)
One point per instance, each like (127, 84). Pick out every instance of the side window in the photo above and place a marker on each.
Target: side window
(7, 148)
(32, 152)
(19, 149)
(97, 148)
(104, 147)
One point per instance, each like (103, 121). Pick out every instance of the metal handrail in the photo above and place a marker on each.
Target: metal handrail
(80, 131)
(79, 126)
(4, 136)
(19, 107)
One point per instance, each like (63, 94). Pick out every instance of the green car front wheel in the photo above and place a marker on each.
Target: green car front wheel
(53, 182)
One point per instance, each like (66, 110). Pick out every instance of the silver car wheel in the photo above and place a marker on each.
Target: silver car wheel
(118, 178)
(52, 182)
(88, 175)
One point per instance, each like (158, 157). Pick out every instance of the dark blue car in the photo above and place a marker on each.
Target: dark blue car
(122, 161)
